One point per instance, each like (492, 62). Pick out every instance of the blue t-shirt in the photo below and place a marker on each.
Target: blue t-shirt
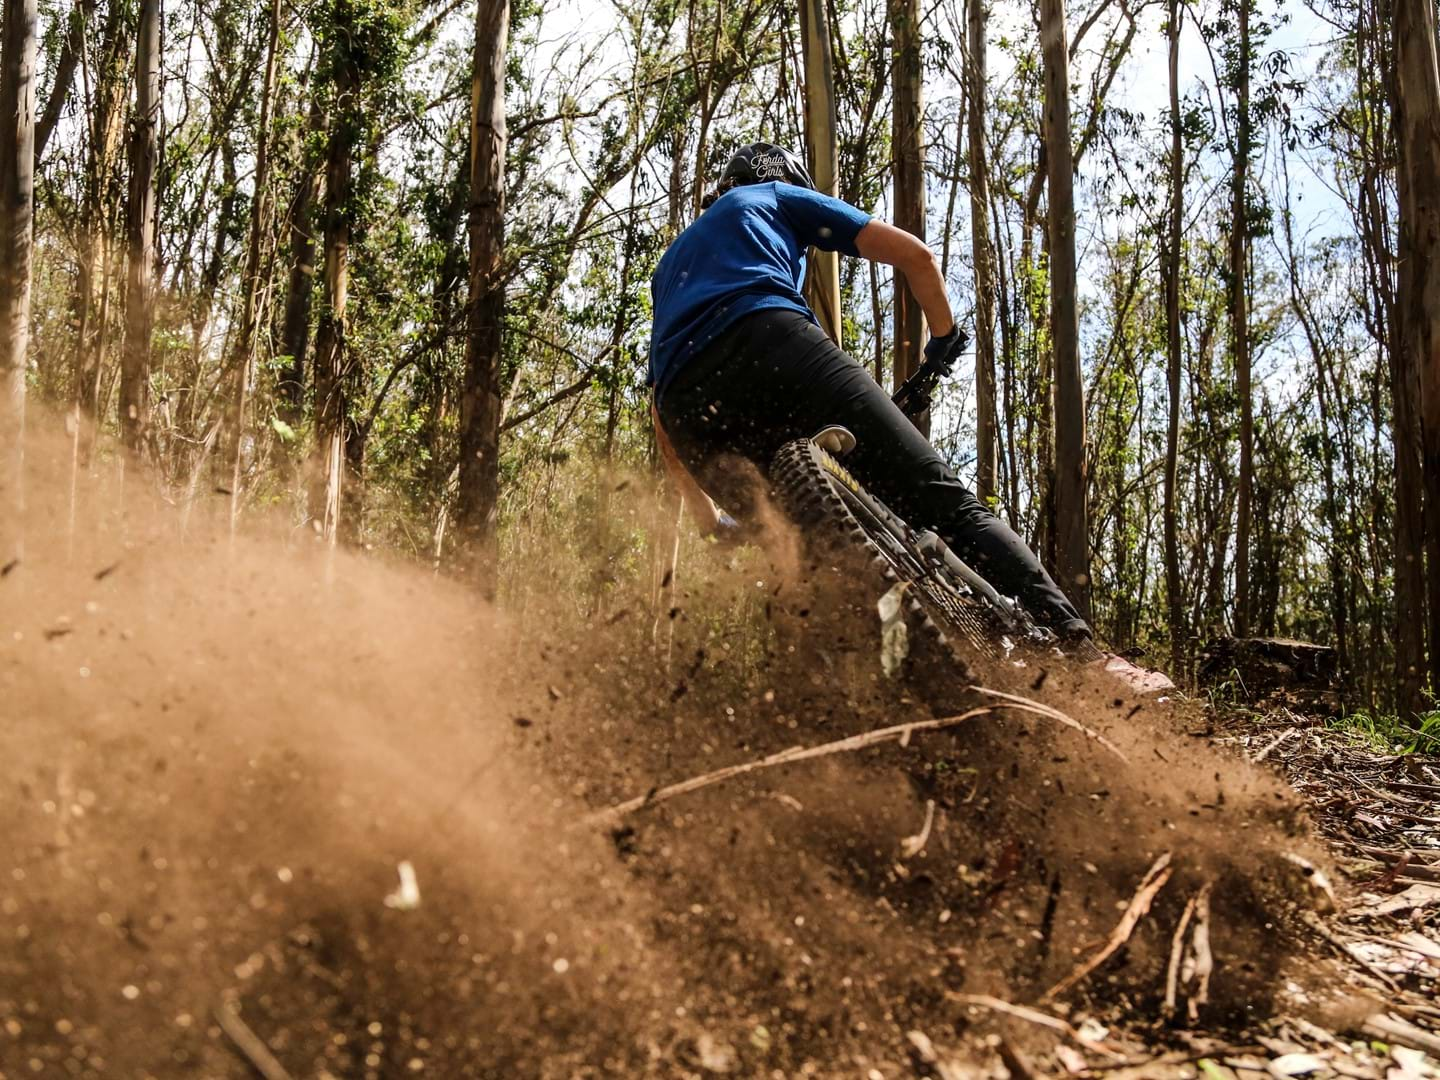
(745, 253)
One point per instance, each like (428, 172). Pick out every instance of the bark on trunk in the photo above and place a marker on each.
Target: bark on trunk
(65, 69)
(1239, 324)
(330, 359)
(1417, 418)
(909, 178)
(17, 206)
(984, 257)
(822, 282)
(140, 232)
(1175, 602)
(1072, 547)
(478, 492)
(295, 327)
(243, 359)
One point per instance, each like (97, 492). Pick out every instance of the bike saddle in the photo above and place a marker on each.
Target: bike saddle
(834, 439)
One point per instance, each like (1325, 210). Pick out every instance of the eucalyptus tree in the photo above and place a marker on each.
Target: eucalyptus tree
(140, 214)
(18, 35)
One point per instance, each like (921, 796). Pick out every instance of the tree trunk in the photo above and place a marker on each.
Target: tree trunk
(243, 360)
(1178, 633)
(1417, 418)
(140, 232)
(295, 326)
(17, 214)
(1239, 324)
(65, 68)
(822, 282)
(330, 358)
(91, 294)
(1072, 548)
(478, 494)
(908, 171)
(984, 257)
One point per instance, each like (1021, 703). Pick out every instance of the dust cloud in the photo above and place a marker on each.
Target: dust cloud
(219, 753)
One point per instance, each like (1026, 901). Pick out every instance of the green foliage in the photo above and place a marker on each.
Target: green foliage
(1390, 734)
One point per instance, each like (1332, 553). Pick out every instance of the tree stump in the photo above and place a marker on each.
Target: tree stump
(1300, 674)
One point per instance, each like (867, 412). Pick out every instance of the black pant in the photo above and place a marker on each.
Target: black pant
(775, 376)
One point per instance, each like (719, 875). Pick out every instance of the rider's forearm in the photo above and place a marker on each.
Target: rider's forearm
(881, 242)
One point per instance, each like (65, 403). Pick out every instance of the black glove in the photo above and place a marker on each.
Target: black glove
(943, 349)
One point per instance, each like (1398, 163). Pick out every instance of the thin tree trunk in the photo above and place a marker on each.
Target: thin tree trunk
(907, 140)
(295, 326)
(91, 302)
(1417, 422)
(983, 253)
(1239, 324)
(1072, 547)
(18, 36)
(478, 494)
(1175, 601)
(822, 282)
(330, 353)
(243, 359)
(140, 232)
(65, 69)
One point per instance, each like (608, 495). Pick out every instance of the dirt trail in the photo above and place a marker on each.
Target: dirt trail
(217, 755)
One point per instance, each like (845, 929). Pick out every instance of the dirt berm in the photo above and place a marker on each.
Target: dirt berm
(217, 755)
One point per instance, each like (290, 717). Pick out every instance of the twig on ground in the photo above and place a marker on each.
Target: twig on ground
(1032, 1016)
(1376, 976)
(249, 1044)
(840, 746)
(1204, 958)
(910, 846)
(1391, 1030)
(1153, 881)
(1055, 714)
(1273, 745)
(1177, 949)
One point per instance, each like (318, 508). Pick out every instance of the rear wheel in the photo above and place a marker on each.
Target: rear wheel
(847, 532)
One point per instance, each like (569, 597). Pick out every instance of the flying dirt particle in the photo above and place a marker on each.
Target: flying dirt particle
(523, 721)
(285, 874)
(554, 692)
(130, 991)
(106, 571)
(9, 566)
(561, 965)
(415, 1064)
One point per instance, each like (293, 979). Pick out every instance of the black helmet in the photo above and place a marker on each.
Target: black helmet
(760, 163)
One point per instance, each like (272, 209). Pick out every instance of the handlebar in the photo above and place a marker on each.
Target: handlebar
(913, 397)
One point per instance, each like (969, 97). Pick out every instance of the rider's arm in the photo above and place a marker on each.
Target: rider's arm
(880, 242)
(702, 508)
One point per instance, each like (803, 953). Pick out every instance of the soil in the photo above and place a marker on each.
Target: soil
(220, 752)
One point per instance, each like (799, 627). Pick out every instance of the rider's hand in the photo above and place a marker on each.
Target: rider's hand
(943, 348)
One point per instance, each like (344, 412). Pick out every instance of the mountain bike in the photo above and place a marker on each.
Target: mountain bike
(838, 518)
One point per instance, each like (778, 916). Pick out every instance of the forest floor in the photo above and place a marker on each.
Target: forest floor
(275, 811)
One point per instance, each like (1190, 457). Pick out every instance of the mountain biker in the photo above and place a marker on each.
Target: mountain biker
(740, 366)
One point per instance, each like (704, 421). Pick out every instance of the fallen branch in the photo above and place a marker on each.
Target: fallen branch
(249, 1044)
(783, 757)
(1153, 881)
(1391, 1030)
(841, 746)
(1032, 1016)
(1057, 715)
(1177, 949)
(1204, 958)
